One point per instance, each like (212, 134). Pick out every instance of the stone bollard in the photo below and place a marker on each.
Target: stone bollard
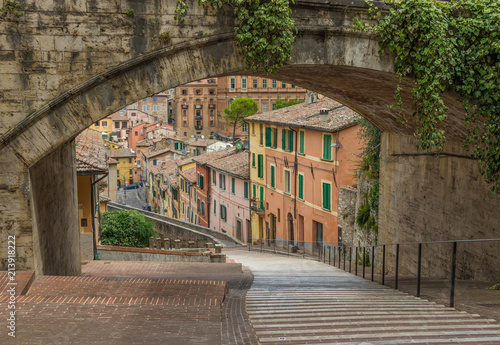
(209, 245)
(151, 243)
(177, 244)
(158, 243)
(218, 248)
(166, 243)
(191, 244)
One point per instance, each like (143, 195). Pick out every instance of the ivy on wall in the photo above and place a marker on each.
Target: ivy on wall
(448, 46)
(264, 30)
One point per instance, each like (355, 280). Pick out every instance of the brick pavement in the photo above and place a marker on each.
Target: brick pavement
(135, 303)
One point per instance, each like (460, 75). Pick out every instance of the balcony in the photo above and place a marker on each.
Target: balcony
(211, 106)
(184, 106)
(198, 117)
(198, 127)
(256, 206)
(198, 106)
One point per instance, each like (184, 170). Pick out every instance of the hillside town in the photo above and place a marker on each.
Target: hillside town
(276, 182)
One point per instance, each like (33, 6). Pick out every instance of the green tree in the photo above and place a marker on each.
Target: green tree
(238, 110)
(126, 229)
(280, 103)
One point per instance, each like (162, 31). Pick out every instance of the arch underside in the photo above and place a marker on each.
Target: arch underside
(360, 79)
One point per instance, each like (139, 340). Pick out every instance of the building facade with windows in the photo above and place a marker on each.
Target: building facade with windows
(308, 156)
(125, 167)
(229, 202)
(195, 108)
(264, 91)
(203, 185)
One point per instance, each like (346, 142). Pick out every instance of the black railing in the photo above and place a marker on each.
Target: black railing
(337, 254)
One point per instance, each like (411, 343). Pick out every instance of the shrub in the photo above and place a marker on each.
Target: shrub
(126, 229)
(130, 12)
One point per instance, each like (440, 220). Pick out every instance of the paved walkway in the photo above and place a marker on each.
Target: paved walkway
(296, 301)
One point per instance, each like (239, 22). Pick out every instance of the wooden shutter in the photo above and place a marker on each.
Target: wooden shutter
(301, 187)
(273, 183)
(275, 138)
(301, 141)
(290, 140)
(327, 196)
(283, 139)
(327, 149)
(268, 136)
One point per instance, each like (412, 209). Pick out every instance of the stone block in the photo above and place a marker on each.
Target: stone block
(218, 248)
(152, 242)
(209, 245)
(177, 244)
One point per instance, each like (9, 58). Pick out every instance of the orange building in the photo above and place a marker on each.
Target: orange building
(307, 156)
(262, 90)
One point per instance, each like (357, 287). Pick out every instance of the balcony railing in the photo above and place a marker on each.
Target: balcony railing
(198, 127)
(198, 117)
(256, 205)
(184, 106)
(211, 106)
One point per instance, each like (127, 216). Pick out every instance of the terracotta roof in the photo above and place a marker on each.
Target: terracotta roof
(157, 153)
(90, 152)
(122, 152)
(208, 157)
(117, 117)
(237, 164)
(189, 174)
(112, 161)
(184, 161)
(145, 142)
(308, 116)
(200, 142)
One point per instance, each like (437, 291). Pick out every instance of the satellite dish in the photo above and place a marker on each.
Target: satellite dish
(239, 145)
(203, 137)
(192, 136)
(169, 141)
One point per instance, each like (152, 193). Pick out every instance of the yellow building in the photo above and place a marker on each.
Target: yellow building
(125, 167)
(91, 168)
(257, 182)
(105, 125)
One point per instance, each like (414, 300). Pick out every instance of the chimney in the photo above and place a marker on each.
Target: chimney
(324, 113)
(311, 97)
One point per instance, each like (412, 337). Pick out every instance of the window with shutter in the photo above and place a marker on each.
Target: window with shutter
(290, 140)
(327, 146)
(275, 137)
(215, 207)
(301, 141)
(327, 196)
(254, 191)
(253, 159)
(273, 182)
(261, 166)
(245, 190)
(301, 187)
(283, 139)
(233, 185)
(268, 136)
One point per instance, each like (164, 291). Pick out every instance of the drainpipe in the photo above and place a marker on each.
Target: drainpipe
(295, 166)
(92, 212)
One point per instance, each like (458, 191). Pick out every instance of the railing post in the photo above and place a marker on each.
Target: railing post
(419, 268)
(329, 254)
(339, 255)
(363, 259)
(350, 258)
(356, 262)
(343, 250)
(261, 244)
(334, 256)
(319, 253)
(373, 260)
(453, 269)
(383, 264)
(397, 267)
(274, 245)
(288, 247)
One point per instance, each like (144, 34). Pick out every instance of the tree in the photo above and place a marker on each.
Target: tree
(238, 110)
(126, 229)
(286, 103)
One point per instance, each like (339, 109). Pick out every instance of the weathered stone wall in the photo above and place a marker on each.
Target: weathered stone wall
(56, 234)
(346, 213)
(86, 246)
(427, 198)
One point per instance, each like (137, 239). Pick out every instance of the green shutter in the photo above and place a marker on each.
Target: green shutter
(253, 159)
(245, 191)
(254, 191)
(268, 136)
(233, 185)
(327, 196)
(301, 187)
(327, 147)
(261, 166)
(290, 140)
(273, 184)
(301, 141)
(261, 197)
(283, 139)
(275, 138)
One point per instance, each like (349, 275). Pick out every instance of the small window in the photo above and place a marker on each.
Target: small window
(260, 168)
(233, 185)
(274, 84)
(302, 135)
(273, 176)
(327, 146)
(215, 207)
(287, 182)
(232, 84)
(301, 186)
(283, 85)
(245, 189)
(327, 195)
(264, 83)
(144, 108)
(104, 123)
(97, 123)
(254, 83)
(184, 91)
(155, 107)
(244, 84)
(155, 98)
(214, 178)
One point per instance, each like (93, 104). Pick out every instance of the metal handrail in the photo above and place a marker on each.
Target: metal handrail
(335, 250)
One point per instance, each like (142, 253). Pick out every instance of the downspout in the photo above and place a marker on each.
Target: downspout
(92, 211)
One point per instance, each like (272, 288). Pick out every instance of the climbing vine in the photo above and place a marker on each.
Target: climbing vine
(264, 30)
(449, 46)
